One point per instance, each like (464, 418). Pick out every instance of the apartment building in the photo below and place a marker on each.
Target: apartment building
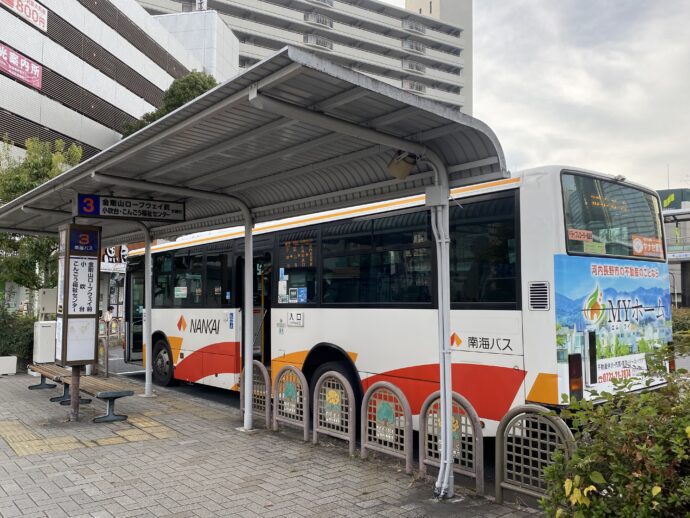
(417, 52)
(79, 70)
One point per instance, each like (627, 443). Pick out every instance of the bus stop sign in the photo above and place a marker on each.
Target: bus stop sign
(112, 207)
(77, 305)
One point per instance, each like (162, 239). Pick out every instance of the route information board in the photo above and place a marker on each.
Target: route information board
(105, 207)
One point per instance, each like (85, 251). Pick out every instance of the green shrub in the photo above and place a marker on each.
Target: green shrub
(16, 337)
(633, 452)
(681, 319)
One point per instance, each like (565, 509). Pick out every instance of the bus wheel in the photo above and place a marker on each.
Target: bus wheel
(350, 376)
(162, 364)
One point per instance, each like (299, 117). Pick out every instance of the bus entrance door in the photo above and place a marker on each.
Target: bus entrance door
(135, 317)
(262, 304)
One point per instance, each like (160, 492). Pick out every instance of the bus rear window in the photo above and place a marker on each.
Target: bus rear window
(609, 218)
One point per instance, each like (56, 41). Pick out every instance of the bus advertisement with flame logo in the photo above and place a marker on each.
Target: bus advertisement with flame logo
(626, 303)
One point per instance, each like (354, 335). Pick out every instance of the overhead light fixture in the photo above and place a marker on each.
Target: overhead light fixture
(402, 165)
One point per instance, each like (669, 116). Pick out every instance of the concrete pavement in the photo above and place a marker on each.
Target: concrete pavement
(179, 456)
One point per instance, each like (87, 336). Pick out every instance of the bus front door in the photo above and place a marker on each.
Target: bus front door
(262, 304)
(135, 317)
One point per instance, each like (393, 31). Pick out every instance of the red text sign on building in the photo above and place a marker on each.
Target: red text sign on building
(30, 10)
(20, 67)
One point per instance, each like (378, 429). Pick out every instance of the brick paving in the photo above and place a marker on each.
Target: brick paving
(180, 456)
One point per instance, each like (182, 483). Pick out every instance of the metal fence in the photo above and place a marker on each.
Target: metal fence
(261, 394)
(468, 440)
(387, 423)
(334, 408)
(291, 399)
(527, 437)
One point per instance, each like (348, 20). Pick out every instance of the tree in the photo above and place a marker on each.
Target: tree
(30, 260)
(179, 93)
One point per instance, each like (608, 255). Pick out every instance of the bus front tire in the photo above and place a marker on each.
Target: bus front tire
(162, 364)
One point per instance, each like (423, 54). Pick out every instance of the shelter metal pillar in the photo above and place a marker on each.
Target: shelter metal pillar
(437, 199)
(148, 298)
(248, 326)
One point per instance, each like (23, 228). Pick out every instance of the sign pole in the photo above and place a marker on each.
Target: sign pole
(74, 393)
(76, 331)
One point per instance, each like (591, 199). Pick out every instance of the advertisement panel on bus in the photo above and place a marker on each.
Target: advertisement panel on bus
(626, 303)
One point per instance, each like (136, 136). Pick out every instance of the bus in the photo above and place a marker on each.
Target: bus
(559, 284)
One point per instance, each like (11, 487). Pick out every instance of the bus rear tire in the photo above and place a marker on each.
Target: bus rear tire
(350, 376)
(162, 364)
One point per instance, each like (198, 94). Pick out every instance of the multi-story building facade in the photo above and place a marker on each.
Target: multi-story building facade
(80, 70)
(417, 52)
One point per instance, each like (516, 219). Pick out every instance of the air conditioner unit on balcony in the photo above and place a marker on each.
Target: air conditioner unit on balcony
(413, 26)
(314, 40)
(414, 86)
(414, 46)
(318, 19)
(413, 66)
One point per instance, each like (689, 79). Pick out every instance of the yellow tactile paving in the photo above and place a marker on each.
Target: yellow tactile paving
(108, 441)
(24, 441)
(16, 431)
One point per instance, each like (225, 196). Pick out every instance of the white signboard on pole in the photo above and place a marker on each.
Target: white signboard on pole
(83, 289)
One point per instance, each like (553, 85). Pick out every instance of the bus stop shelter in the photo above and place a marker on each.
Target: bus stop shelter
(292, 135)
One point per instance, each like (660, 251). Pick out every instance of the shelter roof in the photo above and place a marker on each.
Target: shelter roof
(291, 135)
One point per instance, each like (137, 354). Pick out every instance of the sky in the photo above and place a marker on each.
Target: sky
(599, 84)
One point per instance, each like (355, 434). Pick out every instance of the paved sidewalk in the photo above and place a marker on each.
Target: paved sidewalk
(180, 455)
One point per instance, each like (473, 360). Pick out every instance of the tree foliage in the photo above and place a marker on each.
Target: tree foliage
(180, 92)
(29, 260)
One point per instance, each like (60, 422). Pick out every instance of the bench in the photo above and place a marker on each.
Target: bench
(104, 390)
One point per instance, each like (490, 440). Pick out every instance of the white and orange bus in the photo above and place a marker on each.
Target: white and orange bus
(559, 283)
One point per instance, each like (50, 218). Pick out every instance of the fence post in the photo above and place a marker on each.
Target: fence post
(334, 408)
(291, 399)
(386, 418)
(527, 436)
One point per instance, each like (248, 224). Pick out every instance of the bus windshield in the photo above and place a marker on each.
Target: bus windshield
(609, 218)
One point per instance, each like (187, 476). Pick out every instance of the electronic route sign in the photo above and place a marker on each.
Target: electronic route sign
(113, 207)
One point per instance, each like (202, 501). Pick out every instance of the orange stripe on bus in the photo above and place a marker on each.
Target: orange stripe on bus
(545, 389)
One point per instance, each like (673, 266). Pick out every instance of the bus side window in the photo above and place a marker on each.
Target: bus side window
(297, 268)
(162, 279)
(218, 275)
(181, 287)
(484, 252)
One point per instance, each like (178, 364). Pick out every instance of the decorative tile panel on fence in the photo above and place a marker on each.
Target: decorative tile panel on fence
(291, 399)
(387, 423)
(334, 408)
